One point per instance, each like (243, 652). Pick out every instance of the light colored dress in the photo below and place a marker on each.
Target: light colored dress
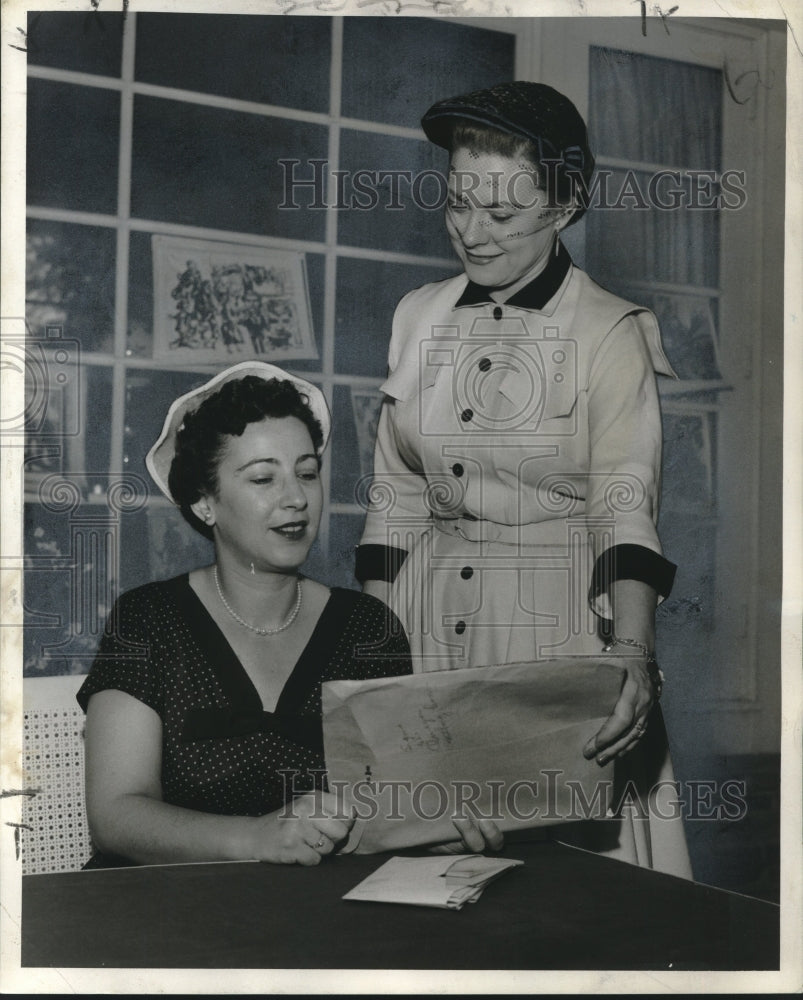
(517, 472)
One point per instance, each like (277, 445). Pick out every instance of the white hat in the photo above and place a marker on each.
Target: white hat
(160, 457)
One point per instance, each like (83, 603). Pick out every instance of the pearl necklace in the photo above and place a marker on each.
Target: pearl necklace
(253, 628)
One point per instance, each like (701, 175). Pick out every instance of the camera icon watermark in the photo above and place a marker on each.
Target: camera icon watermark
(48, 367)
(504, 380)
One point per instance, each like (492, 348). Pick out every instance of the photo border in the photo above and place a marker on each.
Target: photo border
(334, 981)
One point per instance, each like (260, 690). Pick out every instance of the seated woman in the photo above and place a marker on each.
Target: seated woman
(204, 703)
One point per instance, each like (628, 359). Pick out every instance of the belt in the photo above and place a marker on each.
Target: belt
(552, 531)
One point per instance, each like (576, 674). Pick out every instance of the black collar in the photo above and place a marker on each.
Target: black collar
(535, 293)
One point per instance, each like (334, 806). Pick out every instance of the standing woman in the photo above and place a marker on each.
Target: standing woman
(513, 511)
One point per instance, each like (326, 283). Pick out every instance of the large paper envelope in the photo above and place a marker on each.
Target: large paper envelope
(505, 742)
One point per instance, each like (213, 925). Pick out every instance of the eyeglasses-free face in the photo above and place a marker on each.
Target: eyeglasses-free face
(267, 507)
(498, 218)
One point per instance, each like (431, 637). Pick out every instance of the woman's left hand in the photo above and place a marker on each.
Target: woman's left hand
(628, 722)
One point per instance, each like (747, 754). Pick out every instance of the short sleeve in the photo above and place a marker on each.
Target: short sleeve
(625, 465)
(382, 649)
(396, 483)
(632, 562)
(378, 562)
(127, 659)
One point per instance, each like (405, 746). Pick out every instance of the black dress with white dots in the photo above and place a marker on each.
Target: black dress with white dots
(221, 751)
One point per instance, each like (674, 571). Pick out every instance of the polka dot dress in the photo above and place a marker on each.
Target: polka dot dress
(221, 752)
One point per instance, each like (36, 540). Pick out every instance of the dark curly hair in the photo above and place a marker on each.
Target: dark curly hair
(202, 436)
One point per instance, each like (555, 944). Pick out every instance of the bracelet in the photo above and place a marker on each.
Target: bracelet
(616, 641)
(656, 675)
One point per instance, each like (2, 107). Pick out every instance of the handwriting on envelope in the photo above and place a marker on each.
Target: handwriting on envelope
(502, 742)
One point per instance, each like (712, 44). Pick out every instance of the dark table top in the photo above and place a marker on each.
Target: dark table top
(563, 909)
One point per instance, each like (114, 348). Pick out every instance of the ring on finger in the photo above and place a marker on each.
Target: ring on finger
(640, 729)
(319, 844)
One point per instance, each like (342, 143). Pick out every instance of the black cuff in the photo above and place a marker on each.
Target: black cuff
(632, 562)
(378, 562)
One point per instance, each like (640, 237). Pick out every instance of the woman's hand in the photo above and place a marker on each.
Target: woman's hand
(302, 832)
(628, 721)
(476, 835)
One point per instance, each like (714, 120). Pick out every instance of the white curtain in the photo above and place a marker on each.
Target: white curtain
(667, 114)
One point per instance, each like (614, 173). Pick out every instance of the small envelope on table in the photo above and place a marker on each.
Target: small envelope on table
(444, 882)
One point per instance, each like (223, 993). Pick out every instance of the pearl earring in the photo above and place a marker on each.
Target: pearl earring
(252, 569)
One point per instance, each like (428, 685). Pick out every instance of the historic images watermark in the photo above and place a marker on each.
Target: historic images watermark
(612, 190)
(540, 799)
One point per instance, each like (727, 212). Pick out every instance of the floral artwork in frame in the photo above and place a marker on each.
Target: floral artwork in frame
(223, 302)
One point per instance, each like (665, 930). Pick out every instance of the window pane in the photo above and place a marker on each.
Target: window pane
(209, 167)
(268, 59)
(338, 569)
(400, 211)
(643, 242)
(88, 42)
(139, 342)
(49, 589)
(367, 295)
(97, 430)
(159, 544)
(148, 398)
(354, 416)
(71, 433)
(689, 467)
(413, 62)
(73, 137)
(69, 282)
(655, 110)
(689, 328)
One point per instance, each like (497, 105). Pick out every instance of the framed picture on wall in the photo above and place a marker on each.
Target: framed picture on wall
(366, 404)
(688, 331)
(192, 206)
(223, 302)
(688, 460)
